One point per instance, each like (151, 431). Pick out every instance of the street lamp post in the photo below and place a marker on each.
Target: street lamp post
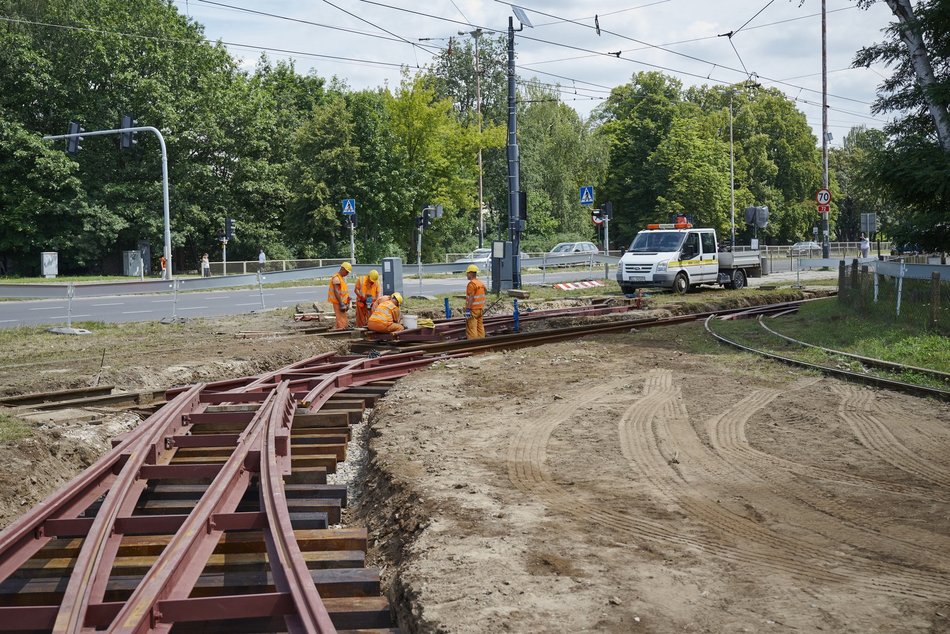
(476, 34)
(732, 172)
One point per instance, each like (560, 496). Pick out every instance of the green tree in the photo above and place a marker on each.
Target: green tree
(634, 121)
(913, 169)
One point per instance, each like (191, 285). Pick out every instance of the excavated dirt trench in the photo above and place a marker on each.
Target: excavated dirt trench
(654, 482)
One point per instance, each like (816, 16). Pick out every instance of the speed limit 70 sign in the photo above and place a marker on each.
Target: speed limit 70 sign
(823, 197)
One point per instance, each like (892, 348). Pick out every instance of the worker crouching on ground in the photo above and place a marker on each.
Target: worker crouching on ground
(339, 296)
(367, 291)
(474, 304)
(386, 317)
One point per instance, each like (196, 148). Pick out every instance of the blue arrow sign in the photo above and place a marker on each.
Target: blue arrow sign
(349, 206)
(587, 195)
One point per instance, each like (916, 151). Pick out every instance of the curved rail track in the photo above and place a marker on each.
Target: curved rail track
(212, 515)
(879, 381)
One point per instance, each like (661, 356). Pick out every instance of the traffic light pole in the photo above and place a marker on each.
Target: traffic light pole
(161, 142)
(419, 256)
(607, 247)
(352, 241)
(224, 256)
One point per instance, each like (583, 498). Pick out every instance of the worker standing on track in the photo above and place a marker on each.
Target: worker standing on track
(367, 290)
(339, 296)
(474, 304)
(386, 317)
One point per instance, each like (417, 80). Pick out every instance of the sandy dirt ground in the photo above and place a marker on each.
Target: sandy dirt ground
(646, 482)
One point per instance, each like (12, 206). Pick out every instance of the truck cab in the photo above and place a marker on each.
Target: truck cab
(679, 256)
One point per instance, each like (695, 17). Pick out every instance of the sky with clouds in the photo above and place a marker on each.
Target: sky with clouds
(778, 42)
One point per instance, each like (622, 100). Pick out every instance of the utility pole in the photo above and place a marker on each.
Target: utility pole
(476, 34)
(514, 184)
(732, 172)
(825, 245)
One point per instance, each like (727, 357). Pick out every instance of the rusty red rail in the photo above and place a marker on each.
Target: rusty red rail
(138, 542)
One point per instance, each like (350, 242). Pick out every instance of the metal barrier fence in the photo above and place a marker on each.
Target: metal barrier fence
(914, 294)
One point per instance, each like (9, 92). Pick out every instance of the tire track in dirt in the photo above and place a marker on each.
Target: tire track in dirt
(528, 471)
(727, 437)
(652, 437)
(857, 409)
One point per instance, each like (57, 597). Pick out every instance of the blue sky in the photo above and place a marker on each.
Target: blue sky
(777, 41)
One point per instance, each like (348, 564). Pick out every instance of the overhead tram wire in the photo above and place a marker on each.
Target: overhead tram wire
(301, 21)
(618, 54)
(166, 40)
(591, 17)
(394, 36)
(648, 45)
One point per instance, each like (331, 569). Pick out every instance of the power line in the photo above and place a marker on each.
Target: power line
(591, 17)
(201, 40)
(300, 20)
(658, 47)
(746, 23)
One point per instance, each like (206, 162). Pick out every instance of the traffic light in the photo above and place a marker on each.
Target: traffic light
(127, 139)
(608, 213)
(426, 217)
(229, 227)
(73, 143)
(419, 221)
(522, 205)
(352, 218)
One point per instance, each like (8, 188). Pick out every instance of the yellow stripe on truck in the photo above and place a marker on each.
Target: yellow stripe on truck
(682, 263)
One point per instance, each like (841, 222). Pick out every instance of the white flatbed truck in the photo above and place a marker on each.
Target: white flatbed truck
(681, 257)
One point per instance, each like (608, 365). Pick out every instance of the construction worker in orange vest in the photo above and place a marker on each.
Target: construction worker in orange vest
(386, 317)
(339, 296)
(474, 304)
(367, 290)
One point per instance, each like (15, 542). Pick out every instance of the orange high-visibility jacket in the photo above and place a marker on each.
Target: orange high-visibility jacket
(340, 282)
(385, 313)
(364, 288)
(475, 295)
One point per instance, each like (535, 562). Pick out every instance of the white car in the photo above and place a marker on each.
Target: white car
(800, 248)
(574, 248)
(480, 257)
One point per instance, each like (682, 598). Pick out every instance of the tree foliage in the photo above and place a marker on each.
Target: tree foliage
(912, 168)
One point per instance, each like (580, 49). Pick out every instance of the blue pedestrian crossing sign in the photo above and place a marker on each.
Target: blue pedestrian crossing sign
(587, 195)
(349, 206)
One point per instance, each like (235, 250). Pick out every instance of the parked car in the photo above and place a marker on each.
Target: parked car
(574, 247)
(564, 249)
(800, 248)
(480, 257)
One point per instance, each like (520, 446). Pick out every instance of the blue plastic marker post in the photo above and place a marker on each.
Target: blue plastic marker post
(448, 309)
(517, 324)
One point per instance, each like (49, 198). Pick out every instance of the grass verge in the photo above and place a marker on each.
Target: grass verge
(13, 428)
(829, 325)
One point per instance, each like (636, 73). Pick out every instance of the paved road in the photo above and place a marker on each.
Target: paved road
(129, 308)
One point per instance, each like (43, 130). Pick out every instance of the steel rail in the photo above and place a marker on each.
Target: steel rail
(175, 572)
(519, 340)
(845, 374)
(869, 361)
(288, 568)
(27, 535)
(91, 569)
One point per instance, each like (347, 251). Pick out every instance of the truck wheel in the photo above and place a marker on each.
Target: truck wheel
(628, 290)
(738, 279)
(681, 284)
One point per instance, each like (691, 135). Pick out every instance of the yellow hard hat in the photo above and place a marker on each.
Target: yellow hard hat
(397, 297)
(347, 266)
(471, 269)
(374, 275)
